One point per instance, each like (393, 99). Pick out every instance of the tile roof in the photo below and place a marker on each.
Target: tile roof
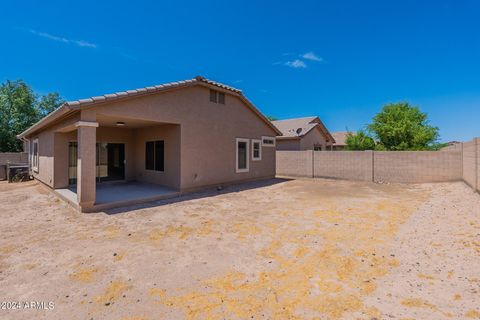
(340, 138)
(150, 89)
(297, 127)
(70, 106)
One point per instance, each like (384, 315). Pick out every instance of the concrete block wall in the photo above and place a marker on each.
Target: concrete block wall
(11, 157)
(471, 163)
(349, 165)
(388, 166)
(478, 164)
(295, 163)
(417, 166)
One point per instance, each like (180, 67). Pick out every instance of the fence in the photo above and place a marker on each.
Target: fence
(11, 157)
(471, 163)
(385, 166)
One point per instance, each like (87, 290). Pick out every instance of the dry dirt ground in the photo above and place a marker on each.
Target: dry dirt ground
(299, 249)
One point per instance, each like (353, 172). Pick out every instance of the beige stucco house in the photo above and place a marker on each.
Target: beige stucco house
(307, 133)
(165, 139)
(340, 140)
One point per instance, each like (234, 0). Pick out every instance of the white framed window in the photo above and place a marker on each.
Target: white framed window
(256, 149)
(35, 155)
(217, 97)
(268, 141)
(242, 157)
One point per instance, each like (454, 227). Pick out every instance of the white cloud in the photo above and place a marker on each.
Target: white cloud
(311, 56)
(80, 43)
(296, 64)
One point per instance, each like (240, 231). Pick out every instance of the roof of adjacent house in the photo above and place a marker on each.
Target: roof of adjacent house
(340, 138)
(299, 127)
(198, 80)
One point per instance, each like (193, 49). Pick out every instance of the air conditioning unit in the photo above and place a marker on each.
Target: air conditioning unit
(18, 172)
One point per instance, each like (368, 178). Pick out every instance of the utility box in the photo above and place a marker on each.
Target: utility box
(17, 172)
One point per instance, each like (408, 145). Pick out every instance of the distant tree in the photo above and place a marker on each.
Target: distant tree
(401, 126)
(359, 141)
(272, 118)
(19, 109)
(49, 103)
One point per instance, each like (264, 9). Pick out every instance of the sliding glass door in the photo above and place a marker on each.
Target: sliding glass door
(110, 161)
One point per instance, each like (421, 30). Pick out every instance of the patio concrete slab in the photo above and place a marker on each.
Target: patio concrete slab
(110, 195)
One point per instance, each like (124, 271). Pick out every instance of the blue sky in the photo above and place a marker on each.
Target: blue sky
(340, 60)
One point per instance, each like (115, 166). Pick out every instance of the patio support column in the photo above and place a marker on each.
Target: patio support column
(86, 166)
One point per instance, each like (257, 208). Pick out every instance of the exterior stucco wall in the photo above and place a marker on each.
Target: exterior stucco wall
(288, 145)
(208, 132)
(46, 152)
(61, 141)
(312, 139)
(171, 136)
(45, 157)
(307, 142)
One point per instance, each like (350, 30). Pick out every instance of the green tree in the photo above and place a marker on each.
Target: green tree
(17, 113)
(401, 126)
(359, 141)
(49, 103)
(19, 109)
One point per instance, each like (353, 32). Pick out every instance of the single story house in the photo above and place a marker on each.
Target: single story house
(303, 134)
(164, 140)
(340, 140)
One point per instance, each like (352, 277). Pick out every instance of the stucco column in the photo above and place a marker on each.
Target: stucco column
(86, 165)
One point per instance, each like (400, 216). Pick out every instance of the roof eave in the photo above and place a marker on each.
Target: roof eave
(54, 115)
(288, 138)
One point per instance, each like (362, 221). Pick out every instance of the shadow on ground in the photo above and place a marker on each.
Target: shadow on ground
(199, 195)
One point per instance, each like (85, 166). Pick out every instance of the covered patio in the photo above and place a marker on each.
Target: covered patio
(117, 194)
(105, 161)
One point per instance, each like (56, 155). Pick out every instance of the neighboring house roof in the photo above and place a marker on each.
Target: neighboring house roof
(69, 106)
(340, 138)
(298, 127)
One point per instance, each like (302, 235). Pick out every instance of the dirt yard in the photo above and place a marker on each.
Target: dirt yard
(297, 249)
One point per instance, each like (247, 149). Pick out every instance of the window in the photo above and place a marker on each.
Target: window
(268, 141)
(35, 155)
(317, 147)
(155, 155)
(213, 96)
(242, 157)
(217, 97)
(221, 98)
(256, 149)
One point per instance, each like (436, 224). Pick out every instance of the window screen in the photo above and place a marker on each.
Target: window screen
(256, 150)
(159, 155)
(242, 155)
(221, 97)
(150, 155)
(213, 96)
(155, 155)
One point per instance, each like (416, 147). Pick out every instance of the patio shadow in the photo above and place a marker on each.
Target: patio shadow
(198, 195)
